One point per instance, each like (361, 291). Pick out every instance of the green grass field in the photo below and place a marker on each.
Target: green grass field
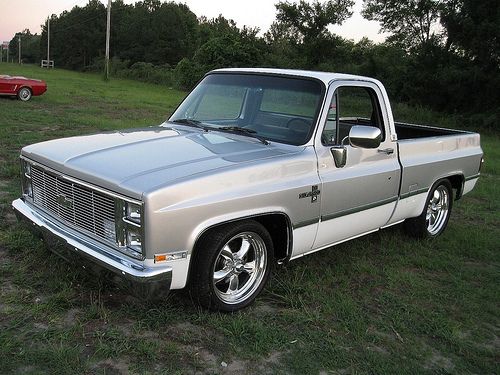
(381, 304)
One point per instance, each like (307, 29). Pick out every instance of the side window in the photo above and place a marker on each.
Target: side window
(351, 105)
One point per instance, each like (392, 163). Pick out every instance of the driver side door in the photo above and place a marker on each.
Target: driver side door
(361, 196)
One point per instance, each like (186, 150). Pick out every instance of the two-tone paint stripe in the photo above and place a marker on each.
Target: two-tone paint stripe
(349, 211)
(305, 223)
(354, 210)
(358, 209)
(414, 192)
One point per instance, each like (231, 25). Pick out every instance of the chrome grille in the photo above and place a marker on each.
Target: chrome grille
(74, 204)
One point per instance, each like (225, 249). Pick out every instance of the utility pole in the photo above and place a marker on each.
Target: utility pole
(19, 40)
(48, 43)
(108, 27)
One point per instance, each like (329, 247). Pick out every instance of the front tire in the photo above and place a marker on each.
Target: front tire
(24, 94)
(434, 218)
(231, 266)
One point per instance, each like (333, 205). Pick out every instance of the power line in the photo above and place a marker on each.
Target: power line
(76, 24)
(67, 13)
(80, 23)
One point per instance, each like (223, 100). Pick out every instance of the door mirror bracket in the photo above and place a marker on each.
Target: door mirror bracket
(339, 155)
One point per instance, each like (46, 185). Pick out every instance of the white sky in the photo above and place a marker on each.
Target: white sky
(17, 15)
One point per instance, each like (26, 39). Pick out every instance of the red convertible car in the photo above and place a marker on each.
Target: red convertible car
(23, 88)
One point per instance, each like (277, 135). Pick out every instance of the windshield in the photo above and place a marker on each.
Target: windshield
(281, 109)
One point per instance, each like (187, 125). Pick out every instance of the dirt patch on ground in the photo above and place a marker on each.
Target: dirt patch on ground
(50, 128)
(4, 258)
(7, 287)
(481, 266)
(215, 364)
(265, 309)
(392, 336)
(493, 344)
(9, 218)
(4, 195)
(377, 349)
(71, 317)
(437, 361)
(26, 370)
(112, 367)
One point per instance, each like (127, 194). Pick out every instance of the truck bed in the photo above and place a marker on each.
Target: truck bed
(413, 131)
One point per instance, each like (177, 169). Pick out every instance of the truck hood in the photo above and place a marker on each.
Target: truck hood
(135, 162)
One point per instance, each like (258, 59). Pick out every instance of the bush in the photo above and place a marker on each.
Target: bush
(187, 73)
(141, 71)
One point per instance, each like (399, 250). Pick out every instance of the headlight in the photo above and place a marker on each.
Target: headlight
(129, 231)
(134, 240)
(26, 179)
(133, 213)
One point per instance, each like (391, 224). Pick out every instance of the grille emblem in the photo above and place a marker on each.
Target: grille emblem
(64, 201)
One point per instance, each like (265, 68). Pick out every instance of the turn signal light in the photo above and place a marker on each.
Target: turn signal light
(171, 256)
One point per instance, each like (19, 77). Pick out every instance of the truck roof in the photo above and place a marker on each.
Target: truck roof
(325, 77)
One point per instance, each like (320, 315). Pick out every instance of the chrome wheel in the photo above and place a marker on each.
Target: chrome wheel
(239, 268)
(24, 94)
(437, 210)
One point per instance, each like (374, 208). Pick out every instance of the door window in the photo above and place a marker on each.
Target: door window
(351, 105)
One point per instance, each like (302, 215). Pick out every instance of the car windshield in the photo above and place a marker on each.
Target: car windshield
(268, 107)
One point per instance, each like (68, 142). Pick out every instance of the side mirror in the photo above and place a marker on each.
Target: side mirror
(365, 136)
(359, 136)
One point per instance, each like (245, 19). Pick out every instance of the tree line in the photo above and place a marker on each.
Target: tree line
(444, 54)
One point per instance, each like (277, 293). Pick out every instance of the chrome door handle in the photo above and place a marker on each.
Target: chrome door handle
(387, 151)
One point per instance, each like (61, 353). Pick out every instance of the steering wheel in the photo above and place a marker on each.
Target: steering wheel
(299, 125)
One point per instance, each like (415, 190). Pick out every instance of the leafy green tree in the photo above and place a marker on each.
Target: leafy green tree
(309, 21)
(412, 23)
(158, 33)
(216, 27)
(473, 29)
(29, 47)
(149, 31)
(283, 47)
(307, 24)
(222, 44)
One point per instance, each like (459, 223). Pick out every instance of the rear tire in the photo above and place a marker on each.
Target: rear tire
(434, 218)
(231, 266)
(24, 94)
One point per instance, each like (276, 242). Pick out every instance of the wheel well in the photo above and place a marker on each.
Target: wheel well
(457, 183)
(277, 224)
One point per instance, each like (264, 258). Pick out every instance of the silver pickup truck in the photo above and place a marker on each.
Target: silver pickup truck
(256, 167)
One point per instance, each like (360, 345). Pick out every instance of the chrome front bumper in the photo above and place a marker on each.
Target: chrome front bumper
(83, 251)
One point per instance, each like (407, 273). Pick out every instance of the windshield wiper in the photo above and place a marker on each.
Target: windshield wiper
(244, 131)
(191, 122)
